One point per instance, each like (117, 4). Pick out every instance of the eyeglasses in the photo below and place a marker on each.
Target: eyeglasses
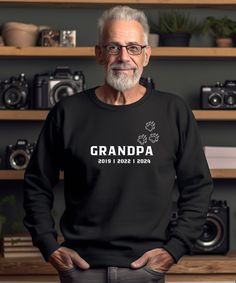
(132, 49)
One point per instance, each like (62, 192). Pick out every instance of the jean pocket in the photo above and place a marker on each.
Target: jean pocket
(154, 272)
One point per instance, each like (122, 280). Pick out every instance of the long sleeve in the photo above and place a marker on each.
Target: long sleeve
(41, 175)
(194, 184)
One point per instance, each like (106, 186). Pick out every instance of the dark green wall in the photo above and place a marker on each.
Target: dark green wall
(183, 77)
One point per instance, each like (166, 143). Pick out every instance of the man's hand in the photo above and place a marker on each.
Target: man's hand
(64, 258)
(157, 259)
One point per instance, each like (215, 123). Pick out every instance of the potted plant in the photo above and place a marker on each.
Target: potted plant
(221, 29)
(175, 28)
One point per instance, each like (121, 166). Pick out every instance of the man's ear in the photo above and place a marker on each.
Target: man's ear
(147, 55)
(99, 55)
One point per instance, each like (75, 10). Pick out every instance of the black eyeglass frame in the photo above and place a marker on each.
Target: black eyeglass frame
(126, 47)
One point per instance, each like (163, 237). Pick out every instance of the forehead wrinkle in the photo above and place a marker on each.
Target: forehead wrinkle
(123, 31)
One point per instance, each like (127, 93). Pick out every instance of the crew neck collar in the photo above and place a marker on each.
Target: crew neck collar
(102, 104)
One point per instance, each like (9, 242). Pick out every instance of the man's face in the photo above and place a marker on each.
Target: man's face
(123, 70)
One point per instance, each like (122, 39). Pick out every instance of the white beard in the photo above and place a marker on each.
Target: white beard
(122, 82)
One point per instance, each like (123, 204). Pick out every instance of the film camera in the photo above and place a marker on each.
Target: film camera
(18, 155)
(14, 93)
(219, 96)
(52, 87)
(215, 235)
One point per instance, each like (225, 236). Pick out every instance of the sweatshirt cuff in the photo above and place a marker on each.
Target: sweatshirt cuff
(47, 244)
(176, 248)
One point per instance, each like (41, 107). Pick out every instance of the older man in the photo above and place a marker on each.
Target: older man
(122, 148)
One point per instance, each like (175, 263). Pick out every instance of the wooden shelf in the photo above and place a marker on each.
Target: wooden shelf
(12, 174)
(165, 52)
(192, 52)
(19, 174)
(215, 115)
(146, 2)
(15, 175)
(35, 115)
(40, 115)
(223, 173)
(47, 51)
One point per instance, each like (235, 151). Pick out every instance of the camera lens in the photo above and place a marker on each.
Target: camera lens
(19, 159)
(230, 99)
(215, 99)
(61, 90)
(212, 235)
(12, 97)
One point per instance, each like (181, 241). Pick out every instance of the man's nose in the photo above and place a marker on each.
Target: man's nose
(124, 55)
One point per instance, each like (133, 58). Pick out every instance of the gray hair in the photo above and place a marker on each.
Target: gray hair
(123, 13)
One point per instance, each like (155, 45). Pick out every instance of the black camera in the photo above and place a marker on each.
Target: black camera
(18, 155)
(147, 82)
(52, 87)
(221, 96)
(215, 236)
(14, 93)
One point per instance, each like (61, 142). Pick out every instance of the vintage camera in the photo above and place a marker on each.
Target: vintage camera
(52, 87)
(14, 93)
(215, 235)
(18, 155)
(221, 96)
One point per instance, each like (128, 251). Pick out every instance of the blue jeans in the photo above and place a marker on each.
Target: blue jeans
(111, 275)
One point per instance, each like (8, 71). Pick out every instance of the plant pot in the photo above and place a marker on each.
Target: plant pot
(153, 39)
(19, 34)
(224, 42)
(175, 39)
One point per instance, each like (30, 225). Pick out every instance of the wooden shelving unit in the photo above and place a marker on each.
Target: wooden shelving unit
(40, 115)
(212, 268)
(182, 52)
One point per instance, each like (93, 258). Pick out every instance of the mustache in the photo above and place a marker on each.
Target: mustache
(122, 66)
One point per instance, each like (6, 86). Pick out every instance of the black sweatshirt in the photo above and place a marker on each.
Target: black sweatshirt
(120, 166)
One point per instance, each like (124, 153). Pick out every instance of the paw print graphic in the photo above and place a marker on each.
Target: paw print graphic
(154, 137)
(142, 139)
(150, 126)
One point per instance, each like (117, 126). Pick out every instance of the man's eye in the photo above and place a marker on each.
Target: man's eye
(113, 48)
(133, 48)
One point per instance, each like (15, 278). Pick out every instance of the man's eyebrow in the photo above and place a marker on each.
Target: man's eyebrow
(132, 42)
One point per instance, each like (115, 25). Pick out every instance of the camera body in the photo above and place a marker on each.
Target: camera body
(215, 236)
(18, 155)
(220, 96)
(147, 82)
(52, 87)
(14, 93)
